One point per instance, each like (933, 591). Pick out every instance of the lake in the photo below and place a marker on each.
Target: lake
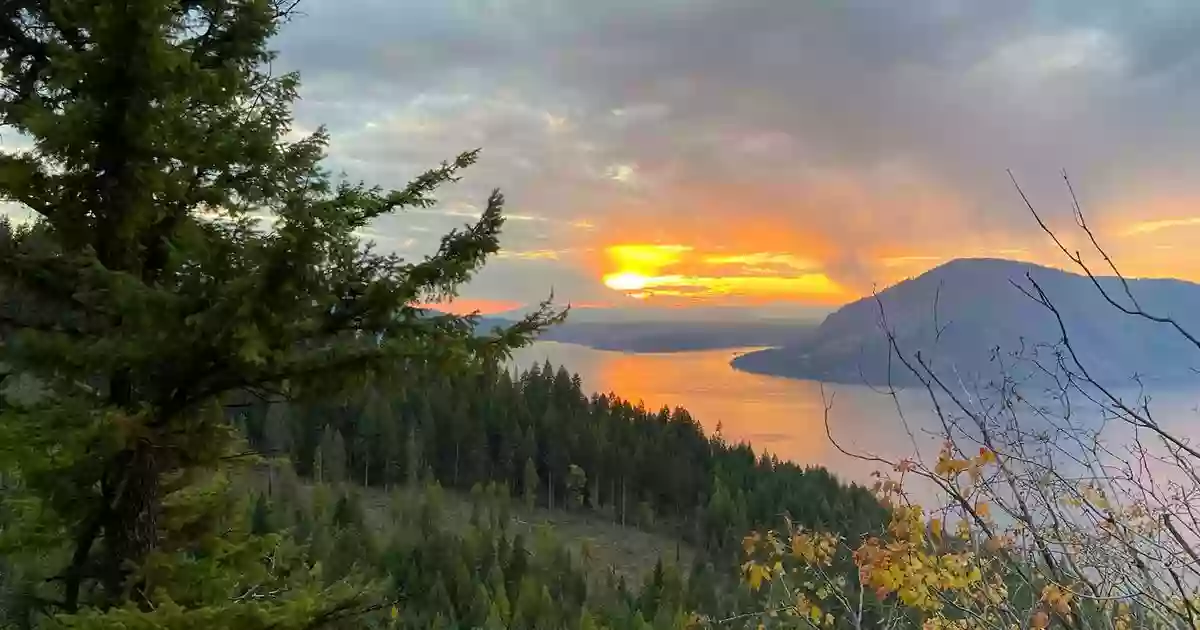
(783, 416)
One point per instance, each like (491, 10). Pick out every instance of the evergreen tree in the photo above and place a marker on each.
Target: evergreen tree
(529, 484)
(185, 250)
(260, 520)
(331, 454)
(586, 621)
(495, 620)
(480, 607)
(439, 599)
(277, 431)
(499, 594)
(412, 457)
(576, 485)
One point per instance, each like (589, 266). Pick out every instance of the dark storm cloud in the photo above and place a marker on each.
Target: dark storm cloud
(852, 119)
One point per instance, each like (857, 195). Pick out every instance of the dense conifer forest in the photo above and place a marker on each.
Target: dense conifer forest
(540, 435)
(500, 443)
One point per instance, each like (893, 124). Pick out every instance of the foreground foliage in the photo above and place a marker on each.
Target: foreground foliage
(184, 250)
(1070, 506)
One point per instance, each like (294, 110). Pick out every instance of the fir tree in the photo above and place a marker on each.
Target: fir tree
(260, 520)
(499, 594)
(412, 457)
(576, 485)
(495, 620)
(529, 484)
(331, 454)
(185, 251)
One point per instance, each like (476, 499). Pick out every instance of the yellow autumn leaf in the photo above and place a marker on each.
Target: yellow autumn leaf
(949, 467)
(750, 542)
(756, 574)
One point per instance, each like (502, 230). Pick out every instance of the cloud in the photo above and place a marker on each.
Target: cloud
(858, 140)
(536, 254)
(624, 173)
(1150, 227)
(467, 306)
(645, 271)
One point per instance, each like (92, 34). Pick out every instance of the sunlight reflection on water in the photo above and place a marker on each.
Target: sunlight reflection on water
(784, 416)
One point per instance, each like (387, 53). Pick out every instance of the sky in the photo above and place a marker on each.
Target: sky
(766, 154)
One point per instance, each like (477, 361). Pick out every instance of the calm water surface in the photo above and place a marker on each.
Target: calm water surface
(784, 416)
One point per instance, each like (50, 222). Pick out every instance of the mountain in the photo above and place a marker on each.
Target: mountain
(978, 311)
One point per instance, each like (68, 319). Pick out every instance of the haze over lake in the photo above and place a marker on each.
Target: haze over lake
(786, 416)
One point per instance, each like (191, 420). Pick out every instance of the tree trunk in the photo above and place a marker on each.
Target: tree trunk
(411, 457)
(131, 527)
(366, 469)
(622, 503)
(595, 493)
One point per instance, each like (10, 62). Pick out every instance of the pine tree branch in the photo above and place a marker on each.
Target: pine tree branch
(27, 184)
(344, 610)
(70, 33)
(89, 531)
(22, 50)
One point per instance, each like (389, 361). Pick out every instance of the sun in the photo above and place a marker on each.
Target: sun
(626, 281)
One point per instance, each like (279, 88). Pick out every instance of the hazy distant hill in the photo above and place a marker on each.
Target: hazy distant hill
(657, 336)
(980, 310)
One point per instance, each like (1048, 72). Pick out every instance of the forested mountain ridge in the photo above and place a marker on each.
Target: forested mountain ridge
(520, 442)
(538, 434)
(967, 317)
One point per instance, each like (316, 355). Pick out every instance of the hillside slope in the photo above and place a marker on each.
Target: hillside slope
(629, 552)
(978, 310)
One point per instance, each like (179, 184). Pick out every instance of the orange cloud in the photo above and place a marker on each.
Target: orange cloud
(764, 259)
(813, 235)
(806, 285)
(829, 236)
(641, 271)
(1149, 227)
(532, 254)
(466, 306)
(646, 258)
